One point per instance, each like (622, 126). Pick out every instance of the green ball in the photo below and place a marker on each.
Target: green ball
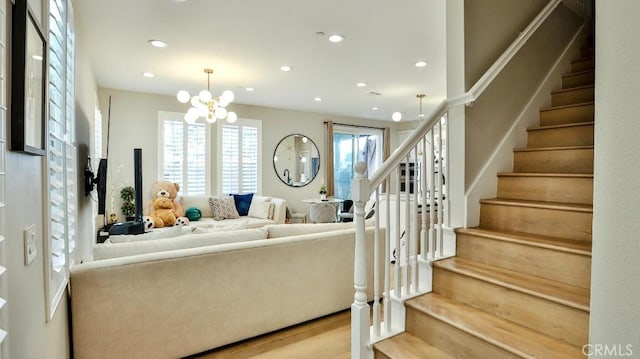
(193, 214)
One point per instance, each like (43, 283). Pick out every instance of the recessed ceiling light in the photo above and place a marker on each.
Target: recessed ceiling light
(317, 99)
(375, 108)
(148, 74)
(396, 116)
(421, 63)
(250, 89)
(286, 68)
(361, 84)
(158, 43)
(336, 38)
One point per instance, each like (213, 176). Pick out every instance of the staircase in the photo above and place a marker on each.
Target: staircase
(519, 286)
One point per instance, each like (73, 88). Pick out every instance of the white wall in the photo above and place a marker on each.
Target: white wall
(615, 284)
(30, 335)
(134, 121)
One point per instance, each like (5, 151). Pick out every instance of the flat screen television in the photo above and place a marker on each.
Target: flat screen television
(101, 184)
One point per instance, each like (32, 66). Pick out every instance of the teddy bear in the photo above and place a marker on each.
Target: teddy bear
(169, 191)
(163, 213)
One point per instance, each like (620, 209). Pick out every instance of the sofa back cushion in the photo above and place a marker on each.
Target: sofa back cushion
(201, 203)
(114, 250)
(286, 230)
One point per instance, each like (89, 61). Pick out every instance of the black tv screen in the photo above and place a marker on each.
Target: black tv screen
(102, 185)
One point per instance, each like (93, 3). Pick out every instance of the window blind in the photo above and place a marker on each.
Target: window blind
(184, 154)
(62, 170)
(240, 155)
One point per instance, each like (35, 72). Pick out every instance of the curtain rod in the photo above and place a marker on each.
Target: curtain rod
(350, 125)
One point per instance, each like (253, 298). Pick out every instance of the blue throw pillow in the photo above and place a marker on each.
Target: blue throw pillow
(243, 202)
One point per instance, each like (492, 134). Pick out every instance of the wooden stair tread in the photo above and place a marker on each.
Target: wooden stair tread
(502, 333)
(581, 59)
(557, 292)
(552, 243)
(564, 125)
(577, 73)
(578, 88)
(408, 346)
(540, 204)
(553, 175)
(590, 103)
(532, 149)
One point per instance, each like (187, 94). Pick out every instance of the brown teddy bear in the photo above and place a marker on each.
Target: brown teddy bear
(163, 213)
(158, 211)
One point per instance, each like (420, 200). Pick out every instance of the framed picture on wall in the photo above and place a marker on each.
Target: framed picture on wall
(28, 82)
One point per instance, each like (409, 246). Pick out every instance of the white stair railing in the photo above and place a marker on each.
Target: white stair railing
(410, 197)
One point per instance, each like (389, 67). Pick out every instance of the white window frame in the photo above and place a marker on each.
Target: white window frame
(57, 271)
(168, 116)
(240, 122)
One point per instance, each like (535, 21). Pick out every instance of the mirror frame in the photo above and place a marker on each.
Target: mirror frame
(274, 162)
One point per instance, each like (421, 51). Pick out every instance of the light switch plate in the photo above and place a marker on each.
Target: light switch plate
(30, 248)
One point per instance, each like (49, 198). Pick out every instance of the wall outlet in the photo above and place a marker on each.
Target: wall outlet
(30, 248)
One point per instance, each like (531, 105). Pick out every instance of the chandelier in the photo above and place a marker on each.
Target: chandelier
(205, 105)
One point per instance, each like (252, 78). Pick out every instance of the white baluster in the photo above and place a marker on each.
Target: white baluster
(413, 247)
(360, 332)
(404, 262)
(440, 194)
(396, 277)
(376, 266)
(432, 200)
(387, 259)
(425, 204)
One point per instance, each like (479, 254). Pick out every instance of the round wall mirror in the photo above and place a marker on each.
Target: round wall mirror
(296, 160)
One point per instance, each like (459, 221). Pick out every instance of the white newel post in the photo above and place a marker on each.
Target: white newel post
(360, 308)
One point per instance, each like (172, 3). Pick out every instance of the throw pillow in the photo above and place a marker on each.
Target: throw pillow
(243, 202)
(259, 209)
(223, 208)
(193, 214)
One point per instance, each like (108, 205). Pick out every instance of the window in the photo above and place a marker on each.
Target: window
(184, 153)
(239, 156)
(61, 154)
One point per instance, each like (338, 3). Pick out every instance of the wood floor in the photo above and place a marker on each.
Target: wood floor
(327, 337)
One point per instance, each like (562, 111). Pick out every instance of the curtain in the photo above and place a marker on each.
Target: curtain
(328, 177)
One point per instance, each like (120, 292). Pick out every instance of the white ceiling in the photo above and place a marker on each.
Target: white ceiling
(246, 42)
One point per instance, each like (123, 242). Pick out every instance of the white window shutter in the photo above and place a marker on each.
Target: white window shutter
(240, 155)
(184, 154)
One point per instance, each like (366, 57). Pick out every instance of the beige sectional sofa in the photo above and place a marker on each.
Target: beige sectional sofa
(275, 210)
(171, 303)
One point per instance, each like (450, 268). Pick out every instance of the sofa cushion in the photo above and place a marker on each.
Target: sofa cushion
(156, 233)
(286, 230)
(260, 209)
(242, 201)
(223, 207)
(115, 250)
(201, 203)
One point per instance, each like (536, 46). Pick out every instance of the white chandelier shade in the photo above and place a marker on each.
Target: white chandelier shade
(205, 105)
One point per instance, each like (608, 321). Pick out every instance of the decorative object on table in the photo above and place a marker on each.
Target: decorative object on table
(323, 192)
(128, 208)
(113, 218)
(205, 105)
(193, 213)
